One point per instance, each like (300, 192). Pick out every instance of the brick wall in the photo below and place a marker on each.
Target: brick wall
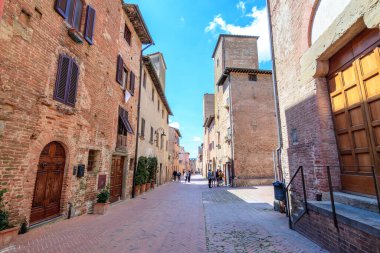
(321, 230)
(254, 128)
(33, 35)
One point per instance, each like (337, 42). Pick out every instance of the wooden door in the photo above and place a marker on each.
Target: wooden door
(355, 99)
(116, 179)
(47, 191)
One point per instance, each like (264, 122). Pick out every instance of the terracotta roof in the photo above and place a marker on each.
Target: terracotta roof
(137, 20)
(227, 71)
(230, 35)
(156, 81)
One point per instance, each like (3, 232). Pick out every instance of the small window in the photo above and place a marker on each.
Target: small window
(144, 80)
(151, 135)
(153, 94)
(92, 159)
(163, 113)
(125, 77)
(158, 105)
(294, 136)
(252, 77)
(162, 141)
(67, 81)
(127, 34)
(217, 62)
(132, 83)
(142, 134)
(157, 137)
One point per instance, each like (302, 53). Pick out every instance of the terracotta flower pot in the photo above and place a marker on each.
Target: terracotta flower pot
(147, 187)
(7, 235)
(152, 185)
(101, 208)
(137, 190)
(142, 189)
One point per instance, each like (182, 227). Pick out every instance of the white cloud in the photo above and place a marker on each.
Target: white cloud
(241, 6)
(175, 125)
(197, 139)
(258, 27)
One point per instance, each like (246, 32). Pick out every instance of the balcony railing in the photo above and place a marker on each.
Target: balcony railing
(121, 143)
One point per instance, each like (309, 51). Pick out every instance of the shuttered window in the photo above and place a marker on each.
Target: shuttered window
(67, 81)
(124, 125)
(119, 70)
(90, 24)
(142, 134)
(132, 83)
(61, 6)
(127, 34)
(74, 17)
(144, 80)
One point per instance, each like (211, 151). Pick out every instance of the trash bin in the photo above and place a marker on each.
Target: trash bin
(279, 191)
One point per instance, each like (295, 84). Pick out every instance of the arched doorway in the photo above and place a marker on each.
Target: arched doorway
(48, 188)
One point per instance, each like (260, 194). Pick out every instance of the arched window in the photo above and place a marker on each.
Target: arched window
(323, 15)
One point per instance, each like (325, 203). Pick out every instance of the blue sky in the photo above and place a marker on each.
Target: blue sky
(186, 31)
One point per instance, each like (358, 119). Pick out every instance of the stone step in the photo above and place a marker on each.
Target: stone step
(364, 220)
(362, 202)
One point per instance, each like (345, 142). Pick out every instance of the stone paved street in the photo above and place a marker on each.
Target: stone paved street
(172, 219)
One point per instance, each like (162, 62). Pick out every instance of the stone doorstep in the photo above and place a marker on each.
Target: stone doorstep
(362, 202)
(366, 221)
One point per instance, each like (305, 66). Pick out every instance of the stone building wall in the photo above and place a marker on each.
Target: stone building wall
(32, 36)
(154, 118)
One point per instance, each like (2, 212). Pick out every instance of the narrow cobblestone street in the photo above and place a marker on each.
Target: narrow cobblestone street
(172, 219)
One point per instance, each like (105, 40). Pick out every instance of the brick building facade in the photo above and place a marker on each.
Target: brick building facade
(327, 62)
(244, 137)
(66, 129)
(174, 148)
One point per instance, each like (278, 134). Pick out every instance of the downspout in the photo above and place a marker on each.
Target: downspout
(138, 120)
(277, 106)
(232, 133)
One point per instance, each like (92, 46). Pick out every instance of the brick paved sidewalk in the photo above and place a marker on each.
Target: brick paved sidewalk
(172, 219)
(243, 220)
(168, 219)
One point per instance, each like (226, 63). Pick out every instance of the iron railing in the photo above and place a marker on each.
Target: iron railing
(331, 191)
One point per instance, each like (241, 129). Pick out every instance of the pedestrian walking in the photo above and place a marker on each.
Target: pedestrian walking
(220, 179)
(189, 176)
(216, 178)
(174, 175)
(179, 176)
(186, 175)
(209, 177)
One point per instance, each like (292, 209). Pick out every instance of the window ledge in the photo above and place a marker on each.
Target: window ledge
(75, 35)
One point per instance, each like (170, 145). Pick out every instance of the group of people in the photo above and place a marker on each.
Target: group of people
(215, 178)
(177, 176)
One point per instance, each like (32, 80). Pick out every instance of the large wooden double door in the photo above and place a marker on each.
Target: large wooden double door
(116, 179)
(48, 188)
(354, 86)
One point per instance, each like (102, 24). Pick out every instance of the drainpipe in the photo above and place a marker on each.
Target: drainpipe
(138, 120)
(275, 90)
(232, 133)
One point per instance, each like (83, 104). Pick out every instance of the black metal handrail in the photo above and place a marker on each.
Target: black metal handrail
(331, 191)
(300, 168)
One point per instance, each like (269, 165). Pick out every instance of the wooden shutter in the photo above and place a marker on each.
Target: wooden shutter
(73, 84)
(61, 6)
(90, 24)
(119, 71)
(62, 78)
(124, 119)
(132, 83)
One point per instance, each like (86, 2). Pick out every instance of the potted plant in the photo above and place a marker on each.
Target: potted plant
(7, 232)
(101, 206)
(151, 167)
(140, 177)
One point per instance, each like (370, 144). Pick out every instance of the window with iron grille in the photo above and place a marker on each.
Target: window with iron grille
(91, 164)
